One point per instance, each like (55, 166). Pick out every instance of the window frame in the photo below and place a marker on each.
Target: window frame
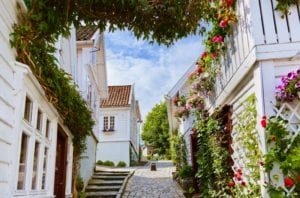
(25, 163)
(27, 115)
(109, 123)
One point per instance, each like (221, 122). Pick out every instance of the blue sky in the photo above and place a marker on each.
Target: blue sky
(153, 69)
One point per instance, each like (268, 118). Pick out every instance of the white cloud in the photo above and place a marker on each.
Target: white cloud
(154, 69)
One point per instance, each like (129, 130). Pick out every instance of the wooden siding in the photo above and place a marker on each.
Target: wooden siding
(261, 33)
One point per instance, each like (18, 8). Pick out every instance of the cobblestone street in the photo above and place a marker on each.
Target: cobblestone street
(153, 184)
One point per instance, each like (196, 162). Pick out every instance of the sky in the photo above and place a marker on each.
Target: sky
(153, 69)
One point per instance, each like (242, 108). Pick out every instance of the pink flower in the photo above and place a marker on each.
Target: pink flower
(214, 55)
(288, 182)
(223, 23)
(217, 39)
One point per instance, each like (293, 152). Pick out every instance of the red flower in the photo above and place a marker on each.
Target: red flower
(273, 138)
(227, 3)
(231, 184)
(298, 177)
(199, 70)
(239, 170)
(214, 55)
(263, 122)
(243, 183)
(288, 182)
(204, 55)
(217, 39)
(223, 23)
(238, 176)
(261, 163)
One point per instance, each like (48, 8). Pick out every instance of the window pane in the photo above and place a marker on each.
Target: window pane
(22, 162)
(105, 123)
(39, 121)
(112, 122)
(47, 128)
(28, 109)
(44, 168)
(35, 165)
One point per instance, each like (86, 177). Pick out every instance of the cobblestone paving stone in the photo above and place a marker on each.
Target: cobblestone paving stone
(153, 184)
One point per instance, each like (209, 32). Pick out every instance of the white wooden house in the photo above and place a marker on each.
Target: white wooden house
(181, 126)
(263, 47)
(90, 75)
(31, 130)
(119, 126)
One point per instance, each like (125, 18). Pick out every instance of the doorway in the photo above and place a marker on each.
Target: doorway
(60, 164)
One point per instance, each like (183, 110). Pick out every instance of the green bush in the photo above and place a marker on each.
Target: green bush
(79, 183)
(99, 162)
(186, 172)
(81, 195)
(108, 163)
(121, 164)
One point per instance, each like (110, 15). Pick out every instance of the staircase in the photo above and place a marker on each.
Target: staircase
(105, 184)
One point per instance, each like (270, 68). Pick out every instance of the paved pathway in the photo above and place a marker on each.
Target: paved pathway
(153, 184)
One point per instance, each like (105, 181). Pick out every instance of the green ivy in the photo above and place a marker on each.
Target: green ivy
(248, 138)
(34, 39)
(283, 151)
(284, 5)
(213, 158)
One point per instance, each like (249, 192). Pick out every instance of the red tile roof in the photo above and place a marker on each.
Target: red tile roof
(118, 96)
(84, 33)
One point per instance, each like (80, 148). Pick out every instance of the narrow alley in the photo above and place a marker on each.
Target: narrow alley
(153, 184)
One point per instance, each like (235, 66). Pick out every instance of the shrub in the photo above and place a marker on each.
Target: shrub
(81, 195)
(99, 162)
(79, 183)
(121, 164)
(108, 163)
(186, 172)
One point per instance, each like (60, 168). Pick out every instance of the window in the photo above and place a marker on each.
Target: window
(48, 125)
(39, 122)
(89, 93)
(35, 166)
(28, 109)
(105, 123)
(22, 162)
(112, 123)
(109, 124)
(44, 168)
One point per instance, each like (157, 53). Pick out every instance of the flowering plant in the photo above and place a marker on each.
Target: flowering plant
(289, 87)
(285, 152)
(182, 112)
(179, 101)
(196, 102)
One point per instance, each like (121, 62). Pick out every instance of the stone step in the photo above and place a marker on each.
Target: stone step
(106, 194)
(110, 174)
(100, 182)
(91, 188)
(109, 177)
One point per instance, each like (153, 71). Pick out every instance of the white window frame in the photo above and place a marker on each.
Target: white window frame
(109, 123)
(30, 129)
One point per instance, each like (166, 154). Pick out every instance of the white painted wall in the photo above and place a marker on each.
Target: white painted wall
(115, 151)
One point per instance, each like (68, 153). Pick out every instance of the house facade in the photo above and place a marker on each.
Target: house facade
(263, 47)
(181, 126)
(31, 130)
(90, 76)
(119, 126)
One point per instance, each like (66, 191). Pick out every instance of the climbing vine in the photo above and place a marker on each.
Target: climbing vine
(284, 5)
(248, 176)
(213, 157)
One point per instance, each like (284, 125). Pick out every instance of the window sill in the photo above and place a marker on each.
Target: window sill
(105, 131)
